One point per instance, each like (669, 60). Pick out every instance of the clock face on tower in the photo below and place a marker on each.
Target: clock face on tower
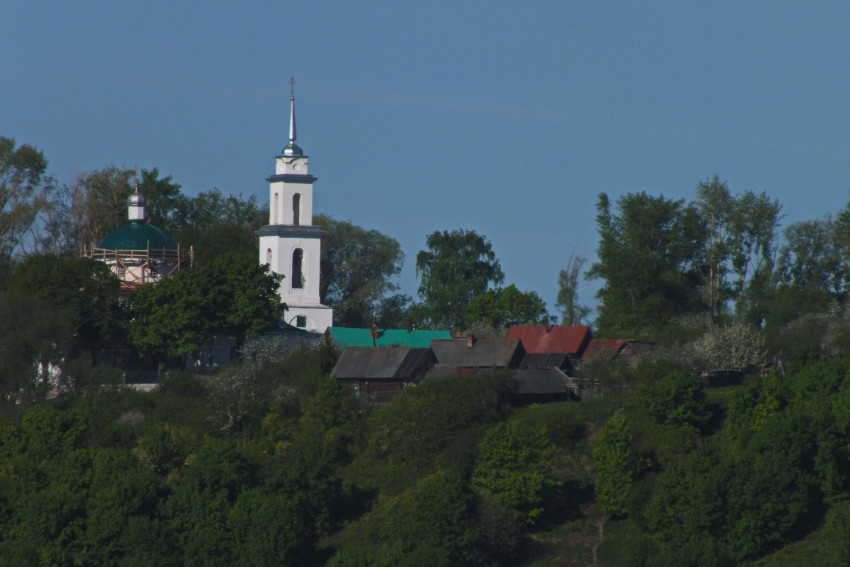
(296, 166)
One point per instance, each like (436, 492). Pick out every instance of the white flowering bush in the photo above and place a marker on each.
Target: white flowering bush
(731, 347)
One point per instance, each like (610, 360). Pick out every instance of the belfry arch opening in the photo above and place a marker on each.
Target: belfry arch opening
(298, 268)
(296, 209)
(275, 208)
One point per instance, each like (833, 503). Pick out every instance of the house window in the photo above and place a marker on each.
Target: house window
(298, 269)
(296, 209)
(301, 321)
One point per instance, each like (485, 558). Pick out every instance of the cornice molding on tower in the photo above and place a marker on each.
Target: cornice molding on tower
(292, 178)
(288, 230)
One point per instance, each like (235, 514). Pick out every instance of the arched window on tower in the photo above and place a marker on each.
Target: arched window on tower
(296, 209)
(275, 208)
(297, 269)
(269, 256)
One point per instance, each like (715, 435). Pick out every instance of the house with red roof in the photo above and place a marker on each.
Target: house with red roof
(540, 339)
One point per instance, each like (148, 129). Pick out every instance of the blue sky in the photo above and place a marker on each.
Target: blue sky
(505, 118)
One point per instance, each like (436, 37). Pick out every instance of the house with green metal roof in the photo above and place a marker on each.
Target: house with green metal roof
(345, 337)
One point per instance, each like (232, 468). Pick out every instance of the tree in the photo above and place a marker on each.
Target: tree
(25, 193)
(33, 335)
(754, 222)
(456, 267)
(216, 224)
(738, 256)
(678, 399)
(98, 204)
(649, 253)
(358, 268)
(165, 207)
(504, 307)
(177, 315)
(85, 289)
(811, 265)
(715, 204)
(573, 313)
(615, 466)
(514, 465)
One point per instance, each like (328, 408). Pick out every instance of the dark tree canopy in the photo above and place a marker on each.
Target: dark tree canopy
(457, 267)
(501, 308)
(231, 294)
(649, 252)
(83, 289)
(98, 204)
(166, 207)
(358, 269)
(217, 224)
(24, 193)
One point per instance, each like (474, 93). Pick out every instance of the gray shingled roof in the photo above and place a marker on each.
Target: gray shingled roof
(386, 363)
(484, 353)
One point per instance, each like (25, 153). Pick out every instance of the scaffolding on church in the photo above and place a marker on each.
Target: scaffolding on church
(136, 267)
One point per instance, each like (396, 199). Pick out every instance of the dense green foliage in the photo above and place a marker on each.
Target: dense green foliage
(272, 462)
(25, 195)
(501, 308)
(456, 268)
(358, 268)
(231, 294)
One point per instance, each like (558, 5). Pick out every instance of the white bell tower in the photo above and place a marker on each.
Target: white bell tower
(290, 244)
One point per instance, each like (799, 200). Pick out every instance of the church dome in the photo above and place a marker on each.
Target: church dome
(137, 235)
(136, 199)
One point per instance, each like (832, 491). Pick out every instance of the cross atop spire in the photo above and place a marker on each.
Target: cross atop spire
(292, 148)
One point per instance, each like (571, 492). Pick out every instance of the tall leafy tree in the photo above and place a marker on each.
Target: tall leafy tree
(25, 193)
(573, 313)
(811, 261)
(457, 267)
(649, 253)
(33, 335)
(754, 223)
(217, 224)
(83, 289)
(98, 204)
(232, 294)
(715, 204)
(358, 271)
(166, 206)
(740, 244)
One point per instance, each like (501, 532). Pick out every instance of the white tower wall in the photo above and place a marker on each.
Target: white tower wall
(290, 243)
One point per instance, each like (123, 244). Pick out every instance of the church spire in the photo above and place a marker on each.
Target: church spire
(292, 148)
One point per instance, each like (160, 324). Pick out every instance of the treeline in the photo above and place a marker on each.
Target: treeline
(719, 256)
(461, 278)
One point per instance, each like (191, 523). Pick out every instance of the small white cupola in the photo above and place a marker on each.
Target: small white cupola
(136, 206)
